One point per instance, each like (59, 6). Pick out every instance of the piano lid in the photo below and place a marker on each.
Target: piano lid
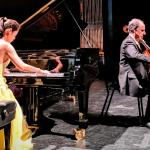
(45, 24)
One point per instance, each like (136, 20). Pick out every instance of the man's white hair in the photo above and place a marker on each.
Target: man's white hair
(134, 24)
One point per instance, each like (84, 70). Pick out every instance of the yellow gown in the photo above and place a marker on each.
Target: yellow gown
(20, 135)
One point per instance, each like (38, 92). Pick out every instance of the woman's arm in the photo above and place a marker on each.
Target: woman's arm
(59, 65)
(19, 63)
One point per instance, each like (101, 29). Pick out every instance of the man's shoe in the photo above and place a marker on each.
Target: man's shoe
(148, 125)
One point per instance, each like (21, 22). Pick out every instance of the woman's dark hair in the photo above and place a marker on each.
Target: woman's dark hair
(6, 24)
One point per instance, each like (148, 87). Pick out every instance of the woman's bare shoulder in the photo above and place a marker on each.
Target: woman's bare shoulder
(5, 46)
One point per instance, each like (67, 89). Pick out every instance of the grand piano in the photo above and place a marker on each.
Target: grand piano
(53, 27)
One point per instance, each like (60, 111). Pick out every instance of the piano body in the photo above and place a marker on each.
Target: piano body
(53, 27)
(32, 84)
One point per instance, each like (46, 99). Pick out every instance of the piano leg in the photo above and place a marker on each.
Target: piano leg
(84, 80)
(83, 110)
(31, 106)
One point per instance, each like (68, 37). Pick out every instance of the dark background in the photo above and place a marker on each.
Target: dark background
(116, 14)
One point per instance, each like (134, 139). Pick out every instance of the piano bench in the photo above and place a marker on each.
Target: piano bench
(7, 114)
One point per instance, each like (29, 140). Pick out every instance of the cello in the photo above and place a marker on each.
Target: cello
(147, 48)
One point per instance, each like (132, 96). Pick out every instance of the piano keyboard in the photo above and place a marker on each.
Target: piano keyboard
(27, 74)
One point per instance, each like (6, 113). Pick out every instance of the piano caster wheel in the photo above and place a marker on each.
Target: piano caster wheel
(79, 134)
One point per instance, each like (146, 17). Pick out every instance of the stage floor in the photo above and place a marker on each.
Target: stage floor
(117, 131)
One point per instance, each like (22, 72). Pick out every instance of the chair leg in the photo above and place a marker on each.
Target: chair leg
(147, 111)
(107, 96)
(141, 112)
(107, 100)
(7, 136)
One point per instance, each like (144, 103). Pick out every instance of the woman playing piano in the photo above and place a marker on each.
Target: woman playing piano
(20, 136)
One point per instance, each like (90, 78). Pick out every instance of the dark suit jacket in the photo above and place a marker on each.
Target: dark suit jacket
(132, 71)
